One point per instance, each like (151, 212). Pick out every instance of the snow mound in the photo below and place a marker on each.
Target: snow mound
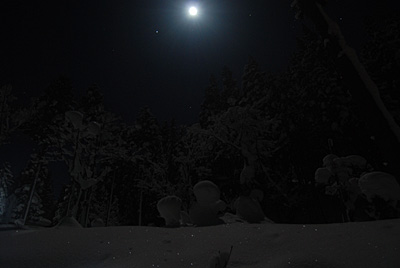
(69, 222)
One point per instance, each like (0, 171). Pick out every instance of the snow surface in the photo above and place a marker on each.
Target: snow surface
(362, 244)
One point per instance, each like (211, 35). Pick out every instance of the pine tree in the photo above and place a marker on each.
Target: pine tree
(61, 207)
(254, 87)
(92, 105)
(11, 118)
(212, 103)
(30, 193)
(230, 93)
(147, 133)
(103, 207)
(49, 109)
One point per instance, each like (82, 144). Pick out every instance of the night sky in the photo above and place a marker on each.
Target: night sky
(152, 53)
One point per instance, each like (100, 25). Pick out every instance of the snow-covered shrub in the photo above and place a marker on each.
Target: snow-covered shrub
(202, 215)
(379, 184)
(369, 195)
(97, 223)
(383, 193)
(323, 175)
(257, 194)
(206, 192)
(169, 208)
(68, 222)
(248, 207)
(340, 169)
(205, 211)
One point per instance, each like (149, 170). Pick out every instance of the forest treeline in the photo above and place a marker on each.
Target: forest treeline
(270, 132)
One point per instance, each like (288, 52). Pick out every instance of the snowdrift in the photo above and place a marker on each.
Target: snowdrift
(366, 244)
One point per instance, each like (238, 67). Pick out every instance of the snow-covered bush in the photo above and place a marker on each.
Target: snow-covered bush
(365, 194)
(206, 192)
(379, 184)
(383, 192)
(68, 222)
(201, 215)
(97, 223)
(169, 208)
(205, 211)
(248, 207)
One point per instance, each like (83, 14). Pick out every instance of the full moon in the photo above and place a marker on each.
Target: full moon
(193, 11)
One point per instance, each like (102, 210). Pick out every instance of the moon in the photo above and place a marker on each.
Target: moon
(193, 11)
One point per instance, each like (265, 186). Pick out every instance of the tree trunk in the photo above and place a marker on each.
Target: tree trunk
(74, 211)
(75, 176)
(140, 207)
(32, 192)
(85, 222)
(110, 201)
(69, 213)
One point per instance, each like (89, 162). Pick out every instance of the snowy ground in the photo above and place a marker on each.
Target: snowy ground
(367, 244)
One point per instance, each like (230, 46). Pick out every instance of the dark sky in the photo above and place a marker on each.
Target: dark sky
(150, 53)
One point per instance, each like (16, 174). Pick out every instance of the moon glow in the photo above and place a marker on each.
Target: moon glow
(193, 11)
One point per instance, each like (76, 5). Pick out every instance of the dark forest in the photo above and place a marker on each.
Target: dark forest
(300, 136)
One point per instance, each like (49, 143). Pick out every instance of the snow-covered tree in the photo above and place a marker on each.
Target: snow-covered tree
(152, 166)
(212, 103)
(11, 117)
(230, 93)
(86, 147)
(251, 134)
(92, 104)
(5, 111)
(61, 208)
(34, 194)
(380, 123)
(254, 85)
(105, 205)
(91, 143)
(6, 197)
(310, 99)
(47, 110)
